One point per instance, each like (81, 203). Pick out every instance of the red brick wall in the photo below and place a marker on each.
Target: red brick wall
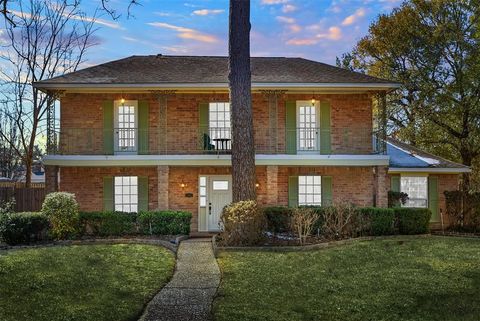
(87, 183)
(349, 184)
(82, 122)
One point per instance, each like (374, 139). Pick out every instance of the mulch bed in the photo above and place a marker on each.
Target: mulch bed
(456, 234)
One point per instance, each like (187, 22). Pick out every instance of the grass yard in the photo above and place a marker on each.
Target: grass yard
(415, 279)
(85, 282)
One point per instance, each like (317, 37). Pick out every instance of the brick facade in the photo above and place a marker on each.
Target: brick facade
(82, 122)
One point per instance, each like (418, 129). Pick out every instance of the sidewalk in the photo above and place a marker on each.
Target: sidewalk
(189, 295)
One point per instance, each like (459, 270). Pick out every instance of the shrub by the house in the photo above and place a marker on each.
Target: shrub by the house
(243, 224)
(463, 209)
(107, 223)
(146, 222)
(397, 199)
(381, 221)
(164, 222)
(278, 218)
(62, 210)
(412, 220)
(25, 227)
(303, 221)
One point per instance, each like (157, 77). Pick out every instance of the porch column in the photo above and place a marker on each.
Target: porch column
(162, 187)
(51, 178)
(381, 186)
(381, 136)
(272, 185)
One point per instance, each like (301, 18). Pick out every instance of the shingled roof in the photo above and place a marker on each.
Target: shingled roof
(406, 156)
(160, 69)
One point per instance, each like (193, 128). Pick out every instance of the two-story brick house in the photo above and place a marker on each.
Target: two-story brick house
(153, 132)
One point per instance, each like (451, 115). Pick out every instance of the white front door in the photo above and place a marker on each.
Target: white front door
(308, 126)
(219, 195)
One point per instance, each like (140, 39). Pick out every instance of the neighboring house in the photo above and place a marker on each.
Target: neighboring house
(153, 132)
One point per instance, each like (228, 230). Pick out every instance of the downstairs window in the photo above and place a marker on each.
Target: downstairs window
(417, 189)
(126, 193)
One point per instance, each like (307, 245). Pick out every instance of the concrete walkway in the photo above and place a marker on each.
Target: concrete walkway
(189, 295)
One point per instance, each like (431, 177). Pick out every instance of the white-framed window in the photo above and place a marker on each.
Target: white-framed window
(308, 123)
(310, 190)
(417, 189)
(202, 190)
(126, 123)
(219, 125)
(220, 185)
(126, 193)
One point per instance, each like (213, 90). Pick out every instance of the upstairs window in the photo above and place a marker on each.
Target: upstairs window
(219, 125)
(310, 190)
(417, 189)
(126, 126)
(126, 193)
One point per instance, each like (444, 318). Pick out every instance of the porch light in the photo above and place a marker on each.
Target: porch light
(183, 185)
(257, 185)
(313, 101)
(122, 101)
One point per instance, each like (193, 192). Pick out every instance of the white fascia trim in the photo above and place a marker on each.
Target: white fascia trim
(255, 85)
(443, 170)
(215, 160)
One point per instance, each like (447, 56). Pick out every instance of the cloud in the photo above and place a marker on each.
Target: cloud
(302, 42)
(206, 12)
(284, 19)
(102, 22)
(273, 2)
(288, 8)
(186, 33)
(360, 12)
(333, 33)
(295, 28)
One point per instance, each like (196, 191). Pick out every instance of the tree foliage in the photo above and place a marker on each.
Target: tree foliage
(432, 48)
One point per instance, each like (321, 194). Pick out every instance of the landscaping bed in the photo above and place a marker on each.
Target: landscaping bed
(81, 282)
(414, 278)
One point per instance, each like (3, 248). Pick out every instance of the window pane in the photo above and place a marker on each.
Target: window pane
(309, 190)
(126, 193)
(220, 185)
(203, 201)
(417, 189)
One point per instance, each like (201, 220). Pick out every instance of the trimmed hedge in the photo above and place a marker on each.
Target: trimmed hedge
(146, 222)
(278, 218)
(369, 221)
(107, 223)
(25, 227)
(381, 220)
(412, 220)
(164, 222)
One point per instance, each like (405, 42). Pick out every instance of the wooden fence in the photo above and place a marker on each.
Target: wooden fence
(26, 199)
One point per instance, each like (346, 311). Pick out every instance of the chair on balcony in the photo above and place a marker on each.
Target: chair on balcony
(207, 142)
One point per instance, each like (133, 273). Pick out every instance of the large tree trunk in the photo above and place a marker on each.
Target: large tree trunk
(243, 150)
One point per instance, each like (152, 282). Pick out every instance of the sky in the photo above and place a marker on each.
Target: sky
(315, 29)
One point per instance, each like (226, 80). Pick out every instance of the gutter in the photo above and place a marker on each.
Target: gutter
(442, 170)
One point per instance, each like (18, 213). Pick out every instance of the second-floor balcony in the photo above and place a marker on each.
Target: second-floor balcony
(194, 140)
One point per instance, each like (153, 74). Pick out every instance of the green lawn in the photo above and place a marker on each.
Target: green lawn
(86, 282)
(416, 279)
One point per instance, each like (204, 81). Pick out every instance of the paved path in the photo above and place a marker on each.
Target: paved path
(189, 295)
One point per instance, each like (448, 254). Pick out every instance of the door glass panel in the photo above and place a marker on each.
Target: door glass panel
(308, 130)
(220, 185)
(125, 128)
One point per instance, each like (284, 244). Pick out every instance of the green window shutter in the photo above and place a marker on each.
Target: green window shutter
(142, 193)
(291, 127)
(203, 124)
(108, 127)
(293, 191)
(325, 128)
(143, 127)
(433, 203)
(395, 183)
(108, 200)
(327, 194)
